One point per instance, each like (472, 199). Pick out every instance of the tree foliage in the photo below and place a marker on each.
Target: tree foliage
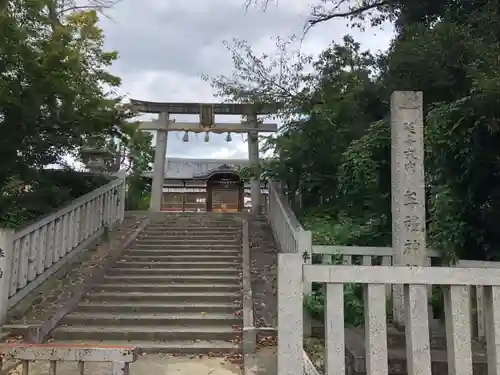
(334, 147)
(55, 91)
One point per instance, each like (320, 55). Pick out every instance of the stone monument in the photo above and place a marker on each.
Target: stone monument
(408, 187)
(409, 246)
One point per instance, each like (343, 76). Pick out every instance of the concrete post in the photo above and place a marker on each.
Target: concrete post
(6, 243)
(123, 195)
(290, 314)
(159, 165)
(305, 247)
(408, 187)
(253, 157)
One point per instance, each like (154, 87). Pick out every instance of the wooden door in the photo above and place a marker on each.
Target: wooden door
(225, 198)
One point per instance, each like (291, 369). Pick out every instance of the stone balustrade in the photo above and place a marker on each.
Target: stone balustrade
(28, 256)
(473, 304)
(455, 282)
(288, 231)
(403, 272)
(382, 256)
(119, 357)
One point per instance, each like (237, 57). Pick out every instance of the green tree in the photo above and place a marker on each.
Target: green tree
(55, 90)
(335, 146)
(52, 93)
(134, 154)
(335, 104)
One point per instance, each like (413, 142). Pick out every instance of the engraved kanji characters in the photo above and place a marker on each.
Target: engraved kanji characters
(412, 223)
(411, 246)
(410, 198)
(410, 154)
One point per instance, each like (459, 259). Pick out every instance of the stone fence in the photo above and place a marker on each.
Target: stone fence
(402, 270)
(61, 355)
(382, 256)
(28, 256)
(465, 317)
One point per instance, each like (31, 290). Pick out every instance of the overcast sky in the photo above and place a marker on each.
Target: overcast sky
(165, 45)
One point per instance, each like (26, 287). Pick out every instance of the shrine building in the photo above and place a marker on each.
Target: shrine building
(206, 185)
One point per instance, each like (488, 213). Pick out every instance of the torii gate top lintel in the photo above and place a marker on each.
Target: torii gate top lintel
(207, 111)
(191, 108)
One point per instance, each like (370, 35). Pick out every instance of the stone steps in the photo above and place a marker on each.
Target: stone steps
(167, 288)
(201, 252)
(176, 289)
(171, 279)
(189, 228)
(151, 319)
(200, 259)
(153, 333)
(118, 270)
(164, 307)
(179, 265)
(172, 228)
(210, 233)
(184, 246)
(164, 297)
(188, 236)
(186, 241)
(171, 346)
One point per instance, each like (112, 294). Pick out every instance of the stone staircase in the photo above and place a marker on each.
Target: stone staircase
(176, 289)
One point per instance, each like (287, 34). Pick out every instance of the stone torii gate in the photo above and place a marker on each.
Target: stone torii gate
(207, 111)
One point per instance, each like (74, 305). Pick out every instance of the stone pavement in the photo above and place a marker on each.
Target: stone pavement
(264, 259)
(262, 362)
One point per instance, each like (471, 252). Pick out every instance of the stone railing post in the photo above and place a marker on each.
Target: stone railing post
(305, 249)
(6, 243)
(290, 302)
(122, 175)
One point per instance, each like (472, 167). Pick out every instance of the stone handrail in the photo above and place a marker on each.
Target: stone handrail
(455, 282)
(28, 256)
(288, 231)
(366, 253)
(26, 354)
(366, 256)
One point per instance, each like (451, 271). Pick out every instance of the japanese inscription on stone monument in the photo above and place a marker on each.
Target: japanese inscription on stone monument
(408, 189)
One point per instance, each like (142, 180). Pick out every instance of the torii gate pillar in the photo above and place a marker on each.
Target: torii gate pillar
(159, 164)
(254, 162)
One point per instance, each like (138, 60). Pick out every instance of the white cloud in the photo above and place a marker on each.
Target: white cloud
(165, 45)
(224, 153)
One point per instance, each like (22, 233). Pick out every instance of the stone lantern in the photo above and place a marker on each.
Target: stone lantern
(96, 155)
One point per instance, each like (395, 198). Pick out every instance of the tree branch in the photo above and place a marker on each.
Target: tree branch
(319, 14)
(319, 17)
(98, 5)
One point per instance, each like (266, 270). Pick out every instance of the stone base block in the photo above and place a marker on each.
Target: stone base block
(355, 353)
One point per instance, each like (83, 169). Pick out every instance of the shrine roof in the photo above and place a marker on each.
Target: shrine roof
(181, 168)
(222, 169)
